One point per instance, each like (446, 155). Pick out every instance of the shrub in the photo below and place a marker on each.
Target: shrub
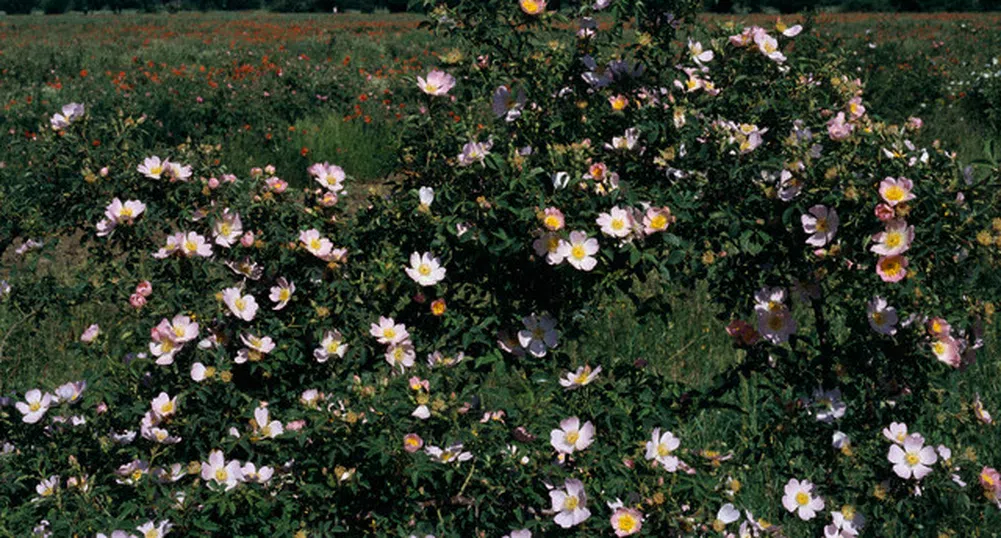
(742, 159)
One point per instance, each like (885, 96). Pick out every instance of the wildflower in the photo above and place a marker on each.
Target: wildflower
(882, 317)
(47, 487)
(401, 354)
(281, 293)
(570, 504)
(627, 142)
(193, 244)
(90, 334)
(626, 521)
(321, 247)
(438, 307)
(855, 108)
(34, 406)
(533, 7)
(946, 350)
(618, 102)
(412, 442)
(913, 459)
(152, 167)
(506, 105)
(846, 523)
(821, 223)
(788, 31)
(242, 306)
(438, 83)
(895, 240)
(425, 270)
(426, 196)
(388, 332)
(538, 335)
(896, 190)
(453, 453)
(571, 436)
(329, 175)
(70, 392)
(200, 372)
(699, 55)
(164, 406)
(69, 114)
(892, 268)
(661, 447)
(579, 250)
(548, 245)
(553, 219)
(982, 414)
(727, 514)
(799, 498)
(252, 474)
(838, 128)
(523, 533)
(615, 223)
(154, 530)
(474, 152)
(769, 46)
(221, 472)
(119, 212)
(331, 345)
(228, 229)
(657, 219)
(256, 348)
(177, 171)
(830, 403)
(990, 481)
(583, 376)
(896, 432)
(775, 322)
(264, 426)
(939, 327)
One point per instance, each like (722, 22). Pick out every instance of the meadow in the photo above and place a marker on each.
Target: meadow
(266, 96)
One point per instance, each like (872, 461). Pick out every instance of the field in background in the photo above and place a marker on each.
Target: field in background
(289, 90)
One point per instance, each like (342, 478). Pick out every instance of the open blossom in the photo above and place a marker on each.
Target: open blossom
(896, 190)
(627, 142)
(412, 442)
(768, 46)
(507, 105)
(34, 406)
(318, 246)
(990, 481)
(401, 355)
(569, 504)
(799, 498)
(221, 472)
(329, 175)
(192, 244)
(332, 345)
(657, 219)
(163, 406)
(150, 530)
(538, 335)
(856, 108)
(821, 223)
(912, 459)
(388, 332)
(579, 251)
(896, 432)
(437, 83)
(699, 55)
(571, 436)
(583, 376)
(882, 317)
(616, 223)
(661, 447)
(946, 350)
(892, 268)
(152, 167)
(119, 212)
(895, 240)
(257, 347)
(553, 219)
(242, 306)
(626, 521)
(838, 128)
(70, 392)
(474, 152)
(177, 171)
(264, 426)
(453, 453)
(251, 473)
(425, 270)
(844, 524)
(548, 245)
(69, 114)
(47, 487)
(775, 321)
(533, 7)
(829, 405)
(228, 229)
(281, 293)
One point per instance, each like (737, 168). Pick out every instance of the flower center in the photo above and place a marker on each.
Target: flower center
(627, 523)
(221, 475)
(663, 450)
(821, 225)
(894, 239)
(578, 252)
(126, 212)
(333, 346)
(314, 244)
(190, 246)
(156, 170)
(424, 269)
(35, 406)
(225, 229)
(912, 459)
(658, 222)
(571, 503)
(572, 437)
(167, 408)
(877, 318)
(240, 304)
(552, 222)
(895, 193)
(284, 294)
(389, 333)
(618, 224)
(802, 498)
(152, 533)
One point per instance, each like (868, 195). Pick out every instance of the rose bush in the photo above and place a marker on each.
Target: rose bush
(281, 365)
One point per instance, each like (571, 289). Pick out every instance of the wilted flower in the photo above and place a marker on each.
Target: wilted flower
(838, 128)
(426, 196)
(90, 334)
(474, 152)
(281, 293)
(506, 105)
(264, 427)
(830, 404)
